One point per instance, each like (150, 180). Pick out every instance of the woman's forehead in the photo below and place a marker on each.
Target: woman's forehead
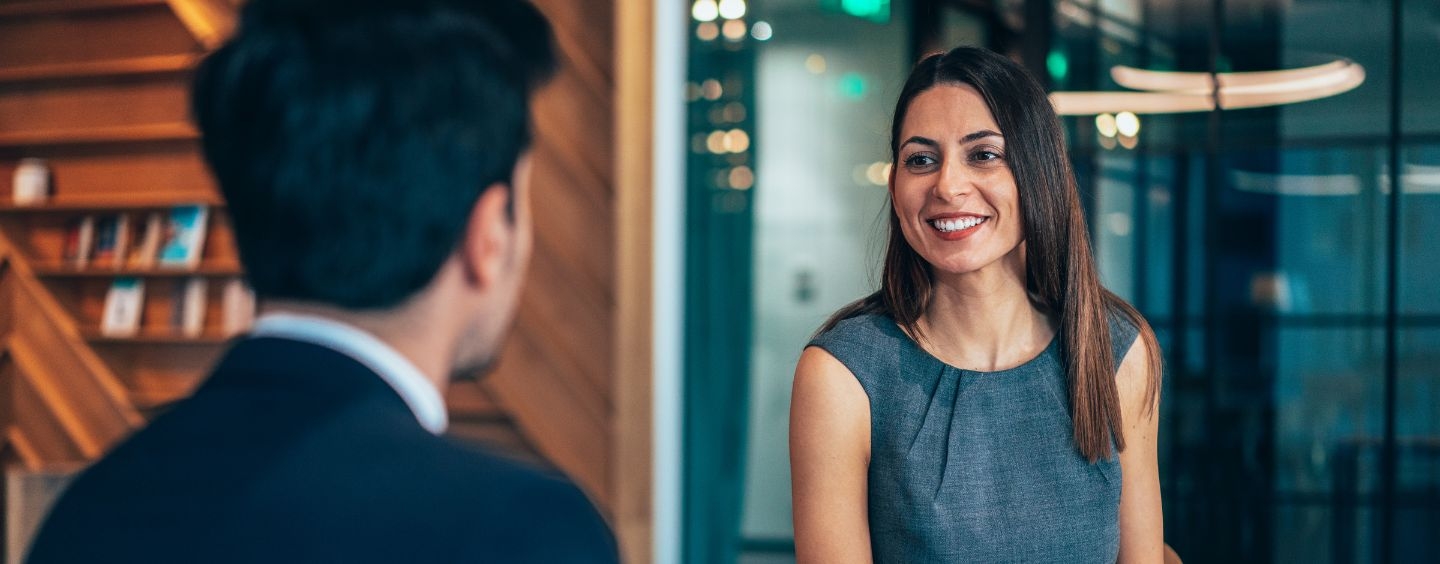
(948, 112)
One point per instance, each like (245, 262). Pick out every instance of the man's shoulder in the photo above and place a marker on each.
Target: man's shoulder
(528, 513)
(468, 473)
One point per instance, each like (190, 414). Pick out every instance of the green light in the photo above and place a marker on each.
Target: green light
(1058, 65)
(877, 11)
(852, 86)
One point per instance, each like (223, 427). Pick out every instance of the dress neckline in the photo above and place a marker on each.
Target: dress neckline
(1049, 350)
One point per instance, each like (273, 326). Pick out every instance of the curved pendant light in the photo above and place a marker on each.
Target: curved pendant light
(1168, 92)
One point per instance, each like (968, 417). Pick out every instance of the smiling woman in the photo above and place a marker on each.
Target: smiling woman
(971, 409)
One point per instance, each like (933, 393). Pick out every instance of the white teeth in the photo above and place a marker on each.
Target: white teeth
(949, 225)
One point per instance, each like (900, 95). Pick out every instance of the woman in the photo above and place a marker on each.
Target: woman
(971, 409)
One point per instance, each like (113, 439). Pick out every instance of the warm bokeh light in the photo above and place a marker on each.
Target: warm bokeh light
(878, 173)
(737, 141)
(732, 9)
(815, 63)
(704, 10)
(1105, 124)
(711, 89)
(734, 30)
(716, 142)
(707, 31)
(734, 112)
(742, 178)
(1128, 124)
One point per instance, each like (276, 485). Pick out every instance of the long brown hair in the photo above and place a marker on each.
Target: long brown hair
(1060, 273)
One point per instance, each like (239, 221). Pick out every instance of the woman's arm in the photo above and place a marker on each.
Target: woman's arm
(1142, 528)
(829, 459)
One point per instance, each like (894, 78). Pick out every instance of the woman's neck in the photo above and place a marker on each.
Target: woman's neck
(984, 320)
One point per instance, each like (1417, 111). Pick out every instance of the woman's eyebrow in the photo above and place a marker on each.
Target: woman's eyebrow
(922, 141)
(978, 135)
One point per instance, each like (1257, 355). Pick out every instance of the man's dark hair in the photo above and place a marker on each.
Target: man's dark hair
(351, 139)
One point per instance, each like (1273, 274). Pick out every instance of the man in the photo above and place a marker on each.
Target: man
(374, 155)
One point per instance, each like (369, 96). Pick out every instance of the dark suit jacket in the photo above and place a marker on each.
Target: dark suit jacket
(292, 452)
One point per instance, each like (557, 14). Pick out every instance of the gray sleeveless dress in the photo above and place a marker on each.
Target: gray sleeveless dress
(972, 466)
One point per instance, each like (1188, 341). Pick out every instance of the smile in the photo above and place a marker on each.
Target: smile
(952, 225)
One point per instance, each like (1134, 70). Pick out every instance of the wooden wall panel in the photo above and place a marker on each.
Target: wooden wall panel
(89, 36)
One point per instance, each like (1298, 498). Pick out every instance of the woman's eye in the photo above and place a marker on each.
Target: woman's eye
(985, 156)
(919, 161)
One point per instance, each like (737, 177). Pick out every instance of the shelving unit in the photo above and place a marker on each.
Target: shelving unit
(83, 289)
(156, 337)
(98, 89)
(112, 204)
(204, 271)
(25, 8)
(115, 134)
(107, 69)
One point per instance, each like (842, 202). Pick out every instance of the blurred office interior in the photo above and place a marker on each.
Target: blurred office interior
(1289, 273)
(712, 180)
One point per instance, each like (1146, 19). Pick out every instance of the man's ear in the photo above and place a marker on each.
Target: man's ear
(488, 237)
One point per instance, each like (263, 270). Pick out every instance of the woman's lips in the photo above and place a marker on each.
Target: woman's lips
(952, 227)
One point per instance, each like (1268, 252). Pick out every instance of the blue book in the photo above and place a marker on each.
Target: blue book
(184, 237)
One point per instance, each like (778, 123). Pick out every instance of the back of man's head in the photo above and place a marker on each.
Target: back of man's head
(352, 138)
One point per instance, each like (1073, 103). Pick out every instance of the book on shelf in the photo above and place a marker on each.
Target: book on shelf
(183, 239)
(124, 304)
(112, 236)
(237, 304)
(147, 244)
(190, 302)
(79, 238)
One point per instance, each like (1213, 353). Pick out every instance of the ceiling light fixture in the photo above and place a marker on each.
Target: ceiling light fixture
(1179, 92)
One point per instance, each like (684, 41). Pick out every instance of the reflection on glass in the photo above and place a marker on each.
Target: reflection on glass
(826, 90)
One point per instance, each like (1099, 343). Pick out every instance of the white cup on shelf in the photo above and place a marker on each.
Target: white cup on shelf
(32, 182)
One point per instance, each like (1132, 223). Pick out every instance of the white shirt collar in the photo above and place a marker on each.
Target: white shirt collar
(396, 370)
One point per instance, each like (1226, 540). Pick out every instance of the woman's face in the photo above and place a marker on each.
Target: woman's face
(952, 188)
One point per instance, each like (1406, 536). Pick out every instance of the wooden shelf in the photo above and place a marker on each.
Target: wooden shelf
(108, 205)
(136, 66)
(22, 8)
(94, 336)
(61, 270)
(99, 135)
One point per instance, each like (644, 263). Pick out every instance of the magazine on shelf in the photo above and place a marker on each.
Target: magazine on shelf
(123, 305)
(78, 240)
(237, 303)
(147, 244)
(184, 237)
(188, 316)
